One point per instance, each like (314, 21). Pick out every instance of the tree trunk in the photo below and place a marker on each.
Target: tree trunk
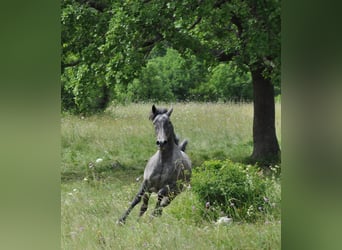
(265, 143)
(105, 98)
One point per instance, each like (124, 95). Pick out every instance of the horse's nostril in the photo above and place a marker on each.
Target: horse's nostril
(161, 142)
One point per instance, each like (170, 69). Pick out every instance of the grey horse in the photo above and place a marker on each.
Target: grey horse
(166, 171)
(158, 111)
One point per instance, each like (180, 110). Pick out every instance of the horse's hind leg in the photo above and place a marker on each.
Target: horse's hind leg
(159, 209)
(165, 196)
(173, 191)
(144, 206)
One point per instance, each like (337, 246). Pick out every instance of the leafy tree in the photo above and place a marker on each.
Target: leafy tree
(122, 35)
(247, 32)
(84, 87)
(150, 86)
(227, 83)
(166, 78)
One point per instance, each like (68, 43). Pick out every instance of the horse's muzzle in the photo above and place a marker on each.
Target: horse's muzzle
(161, 143)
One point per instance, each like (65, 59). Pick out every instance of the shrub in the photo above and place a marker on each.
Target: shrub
(166, 78)
(226, 82)
(82, 91)
(234, 189)
(186, 207)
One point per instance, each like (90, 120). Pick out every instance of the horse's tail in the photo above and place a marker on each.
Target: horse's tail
(182, 146)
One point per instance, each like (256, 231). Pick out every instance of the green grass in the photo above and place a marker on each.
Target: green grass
(93, 198)
(89, 213)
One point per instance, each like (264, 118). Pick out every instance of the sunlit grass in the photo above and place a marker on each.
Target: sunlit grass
(94, 195)
(89, 215)
(124, 136)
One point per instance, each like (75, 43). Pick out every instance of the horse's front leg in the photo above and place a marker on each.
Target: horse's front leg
(135, 201)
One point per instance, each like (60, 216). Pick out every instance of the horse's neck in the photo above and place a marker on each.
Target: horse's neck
(167, 152)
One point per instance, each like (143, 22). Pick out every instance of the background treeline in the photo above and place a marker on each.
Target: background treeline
(170, 77)
(167, 76)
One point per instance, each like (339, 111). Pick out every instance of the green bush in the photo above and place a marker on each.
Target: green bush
(187, 208)
(166, 78)
(82, 91)
(236, 190)
(226, 82)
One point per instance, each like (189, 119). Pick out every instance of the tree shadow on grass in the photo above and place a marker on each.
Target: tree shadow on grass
(240, 153)
(116, 170)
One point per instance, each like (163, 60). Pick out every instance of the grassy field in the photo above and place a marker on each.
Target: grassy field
(94, 195)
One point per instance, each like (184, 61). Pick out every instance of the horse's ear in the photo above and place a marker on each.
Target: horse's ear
(169, 112)
(154, 109)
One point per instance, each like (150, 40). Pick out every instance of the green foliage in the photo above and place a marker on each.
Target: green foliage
(171, 77)
(155, 81)
(187, 208)
(108, 50)
(232, 188)
(166, 78)
(84, 88)
(226, 83)
(82, 91)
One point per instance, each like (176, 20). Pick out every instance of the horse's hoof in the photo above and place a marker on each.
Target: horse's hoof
(151, 217)
(157, 213)
(120, 222)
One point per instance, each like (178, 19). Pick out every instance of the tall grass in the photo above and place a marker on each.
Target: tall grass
(89, 214)
(93, 195)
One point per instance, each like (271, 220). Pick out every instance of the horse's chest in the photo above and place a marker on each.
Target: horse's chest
(162, 174)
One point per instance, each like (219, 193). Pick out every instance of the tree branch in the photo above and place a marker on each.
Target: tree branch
(98, 5)
(237, 22)
(222, 56)
(151, 42)
(70, 64)
(198, 20)
(219, 3)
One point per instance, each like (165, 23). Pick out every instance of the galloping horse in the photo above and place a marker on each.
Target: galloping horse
(166, 170)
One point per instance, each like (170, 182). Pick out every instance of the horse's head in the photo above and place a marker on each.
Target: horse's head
(163, 126)
(156, 111)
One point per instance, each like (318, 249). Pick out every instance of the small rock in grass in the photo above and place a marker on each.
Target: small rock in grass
(99, 160)
(224, 220)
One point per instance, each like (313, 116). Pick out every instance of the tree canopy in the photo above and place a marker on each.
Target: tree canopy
(113, 47)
